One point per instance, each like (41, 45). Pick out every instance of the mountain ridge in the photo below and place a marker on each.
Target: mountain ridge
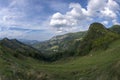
(97, 37)
(60, 42)
(18, 48)
(95, 56)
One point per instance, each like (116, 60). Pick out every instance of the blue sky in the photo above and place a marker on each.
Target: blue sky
(43, 19)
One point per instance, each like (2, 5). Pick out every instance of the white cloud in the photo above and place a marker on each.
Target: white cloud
(108, 13)
(10, 15)
(12, 34)
(70, 19)
(97, 10)
(94, 6)
(14, 16)
(105, 22)
(115, 22)
(111, 9)
(58, 20)
(9, 18)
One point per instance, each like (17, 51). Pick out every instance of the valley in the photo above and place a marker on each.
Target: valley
(90, 55)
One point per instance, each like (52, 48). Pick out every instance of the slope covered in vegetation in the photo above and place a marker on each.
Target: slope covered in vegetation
(98, 65)
(101, 60)
(97, 37)
(115, 28)
(18, 49)
(59, 43)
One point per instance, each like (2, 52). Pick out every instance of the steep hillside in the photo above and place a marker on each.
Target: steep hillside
(17, 61)
(28, 42)
(98, 65)
(59, 43)
(97, 37)
(18, 49)
(22, 62)
(80, 43)
(115, 28)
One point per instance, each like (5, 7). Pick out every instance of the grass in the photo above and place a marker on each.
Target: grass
(98, 65)
(88, 67)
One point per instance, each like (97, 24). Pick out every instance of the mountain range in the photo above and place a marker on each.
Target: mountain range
(59, 43)
(87, 55)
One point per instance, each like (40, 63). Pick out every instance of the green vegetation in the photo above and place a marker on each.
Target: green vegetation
(18, 49)
(102, 65)
(59, 43)
(115, 28)
(97, 37)
(95, 55)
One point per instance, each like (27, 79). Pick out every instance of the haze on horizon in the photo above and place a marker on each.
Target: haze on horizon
(43, 19)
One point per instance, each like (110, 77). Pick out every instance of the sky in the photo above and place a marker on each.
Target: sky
(43, 19)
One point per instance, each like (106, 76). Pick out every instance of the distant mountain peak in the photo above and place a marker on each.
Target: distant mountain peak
(9, 41)
(97, 26)
(18, 48)
(5, 39)
(115, 28)
(97, 37)
(96, 30)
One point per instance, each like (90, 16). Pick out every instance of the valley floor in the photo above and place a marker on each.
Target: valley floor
(98, 65)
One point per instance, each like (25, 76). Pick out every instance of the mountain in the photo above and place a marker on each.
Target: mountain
(17, 60)
(97, 37)
(98, 57)
(59, 43)
(80, 43)
(115, 28)
(97, 65)
(18, 49)
(28, 42)
(101, 60)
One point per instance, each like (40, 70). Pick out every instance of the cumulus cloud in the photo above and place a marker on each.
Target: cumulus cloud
(33, 15)
(111, 9)
(94, 6)
(15, 15)
(104, 11)
(105, 22)
(76, 16)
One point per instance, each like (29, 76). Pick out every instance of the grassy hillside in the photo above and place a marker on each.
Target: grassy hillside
(59, 43)
(115, 28)
(101, 60)
(80, 43)
(97, 37)
(98, 65)
(14, 60)
(18, 49)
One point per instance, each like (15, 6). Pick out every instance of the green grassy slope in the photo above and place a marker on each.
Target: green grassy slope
(59, 43)
(98, 65)
(97, 37)
(14, 60)
(18, 49)
(19, 62)
(115, 28)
